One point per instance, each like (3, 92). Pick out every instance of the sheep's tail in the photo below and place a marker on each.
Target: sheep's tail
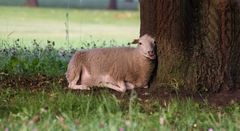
(74, 68)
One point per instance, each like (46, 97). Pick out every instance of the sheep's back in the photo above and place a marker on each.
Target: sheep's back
(111, 61)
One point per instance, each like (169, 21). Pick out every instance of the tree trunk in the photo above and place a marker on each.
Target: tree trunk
(112, 4)
(198, 42)
(148, 16)
(32, 3)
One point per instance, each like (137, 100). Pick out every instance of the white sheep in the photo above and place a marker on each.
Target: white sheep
(116, 68)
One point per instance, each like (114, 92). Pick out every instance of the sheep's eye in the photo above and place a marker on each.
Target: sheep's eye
(140, 43)
(155, 42)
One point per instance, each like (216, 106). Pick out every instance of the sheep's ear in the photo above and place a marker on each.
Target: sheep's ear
(135, 41)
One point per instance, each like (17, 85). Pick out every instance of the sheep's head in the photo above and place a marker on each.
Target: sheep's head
(146, 46)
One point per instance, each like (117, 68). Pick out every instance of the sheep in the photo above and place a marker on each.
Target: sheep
(118, 68)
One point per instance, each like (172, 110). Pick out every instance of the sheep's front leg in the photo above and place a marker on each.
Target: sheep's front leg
(129, 85)
(80, 87)
(146, 86)
(121, 87)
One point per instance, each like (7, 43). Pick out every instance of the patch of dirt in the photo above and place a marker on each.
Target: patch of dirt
(161, 94)
(224, 97)
(38, 82)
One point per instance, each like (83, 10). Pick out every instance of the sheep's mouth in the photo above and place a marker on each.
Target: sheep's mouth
(152, 57)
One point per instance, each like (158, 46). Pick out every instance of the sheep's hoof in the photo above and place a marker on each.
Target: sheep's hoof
(122, 90)
(145, 87)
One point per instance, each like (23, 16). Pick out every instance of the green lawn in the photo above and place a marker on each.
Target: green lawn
(49, 24)
(55, 109)
(33, 98)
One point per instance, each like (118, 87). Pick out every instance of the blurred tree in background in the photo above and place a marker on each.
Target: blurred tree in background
(112, 4)
(32, 2)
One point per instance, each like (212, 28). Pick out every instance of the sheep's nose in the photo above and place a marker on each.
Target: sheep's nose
(151, 53)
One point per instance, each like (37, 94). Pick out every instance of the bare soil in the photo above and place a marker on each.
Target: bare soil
(159, 94)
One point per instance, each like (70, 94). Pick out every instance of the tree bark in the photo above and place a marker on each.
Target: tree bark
(198, 42)
(148, 16)
(112, 4)
(32, 3)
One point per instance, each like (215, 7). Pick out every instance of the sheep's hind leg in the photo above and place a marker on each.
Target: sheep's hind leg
(73, 85)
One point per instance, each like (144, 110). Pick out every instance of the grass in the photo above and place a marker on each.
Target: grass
(49, 24)
(82, 16)
(55, 108)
